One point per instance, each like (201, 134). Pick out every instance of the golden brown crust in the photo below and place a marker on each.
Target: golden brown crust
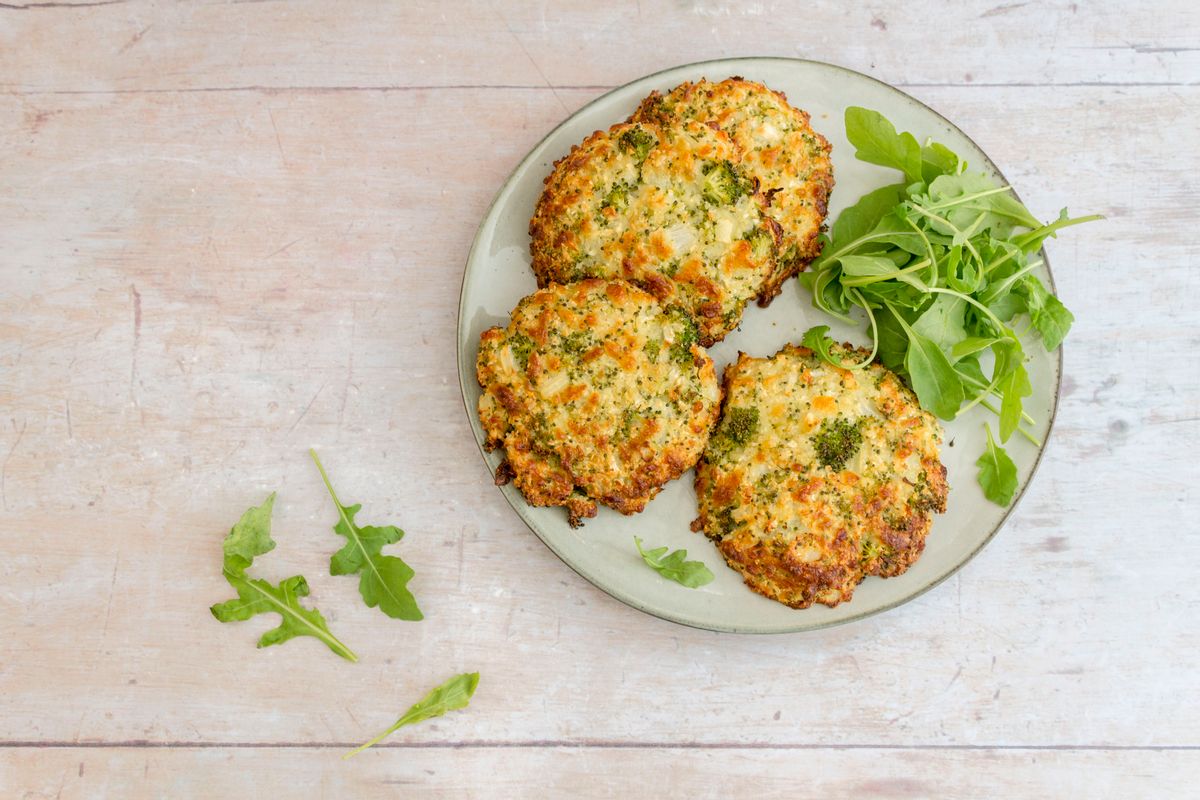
(802, 519)
(597, 394)
(780, 150)
(665, 207)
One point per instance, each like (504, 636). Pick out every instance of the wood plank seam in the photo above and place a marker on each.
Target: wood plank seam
(589, 743)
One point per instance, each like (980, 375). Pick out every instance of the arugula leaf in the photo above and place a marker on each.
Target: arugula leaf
(383, 580)
(450, 696)
(877, 142)
(893, 341)
(817, 339)
(970, 372)
(937, 159)
(997, 473)
(971, 345)
(691, 574)
(1014, 387)
(962, 198)
(933, 378)
(248, 539)
(863, 216)
(1049, 316)
(942, 322)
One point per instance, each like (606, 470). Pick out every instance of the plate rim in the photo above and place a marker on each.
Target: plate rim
(628, 599)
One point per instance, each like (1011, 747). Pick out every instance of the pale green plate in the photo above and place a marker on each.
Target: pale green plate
(498, 275)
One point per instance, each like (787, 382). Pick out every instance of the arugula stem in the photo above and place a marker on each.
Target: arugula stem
(1046, 230)
(328, 485)
(1002, 287)
(951, 226)
(867, 280)
(1024, 414)
(933, 273)
(850, 247)
(966, 198)
(399, 724)
(1000, 326)
(837, 362)
(874, 328)
(1028, 436)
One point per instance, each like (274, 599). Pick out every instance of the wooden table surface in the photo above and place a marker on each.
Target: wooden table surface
(229, 232)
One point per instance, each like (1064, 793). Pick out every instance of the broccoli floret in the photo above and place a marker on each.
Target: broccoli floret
(789, 257)
(617, 198)
(738, 425)
(761, 243)
(725, 523)
(686, 335)
(722, 184)
(652, 347)
(629, 419)
(836, 443)
(636, 141)
(576, 343)
(521, 346)
(871, 550)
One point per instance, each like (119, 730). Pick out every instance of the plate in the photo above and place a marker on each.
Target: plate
(602, 551)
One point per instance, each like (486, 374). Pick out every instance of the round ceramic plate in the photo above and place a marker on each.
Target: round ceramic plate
(498, 275)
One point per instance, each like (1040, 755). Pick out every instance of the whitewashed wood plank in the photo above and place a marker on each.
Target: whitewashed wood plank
(199, 286)
(140, 45)
(588, 772)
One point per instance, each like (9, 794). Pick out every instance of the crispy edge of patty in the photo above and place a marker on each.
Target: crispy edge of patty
(774, 572)
(651, 110)
(545, 478)
(548, 239)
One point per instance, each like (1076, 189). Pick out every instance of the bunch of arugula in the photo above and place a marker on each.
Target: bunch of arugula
(942, 264)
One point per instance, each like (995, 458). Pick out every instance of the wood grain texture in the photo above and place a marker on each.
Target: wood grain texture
(595, 773)
(200, 281)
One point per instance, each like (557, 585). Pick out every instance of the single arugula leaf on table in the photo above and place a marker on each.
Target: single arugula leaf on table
(691, 574)
(383, 580)
(997, 473)
(450, 696)
(248, 539)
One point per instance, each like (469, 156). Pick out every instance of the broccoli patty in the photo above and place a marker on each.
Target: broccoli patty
(666, 207)
(818, 476)
(597, 393)
(788, 159)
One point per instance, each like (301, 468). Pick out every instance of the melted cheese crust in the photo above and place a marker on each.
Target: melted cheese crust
(802, 532)
(778, 147)
(596, 393)
(608, 212)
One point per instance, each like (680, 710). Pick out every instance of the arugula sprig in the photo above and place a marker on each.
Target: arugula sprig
(450, 696)
(248, 539)
(997, 472)
(383, 580)
(941, 264)
(691, 574)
